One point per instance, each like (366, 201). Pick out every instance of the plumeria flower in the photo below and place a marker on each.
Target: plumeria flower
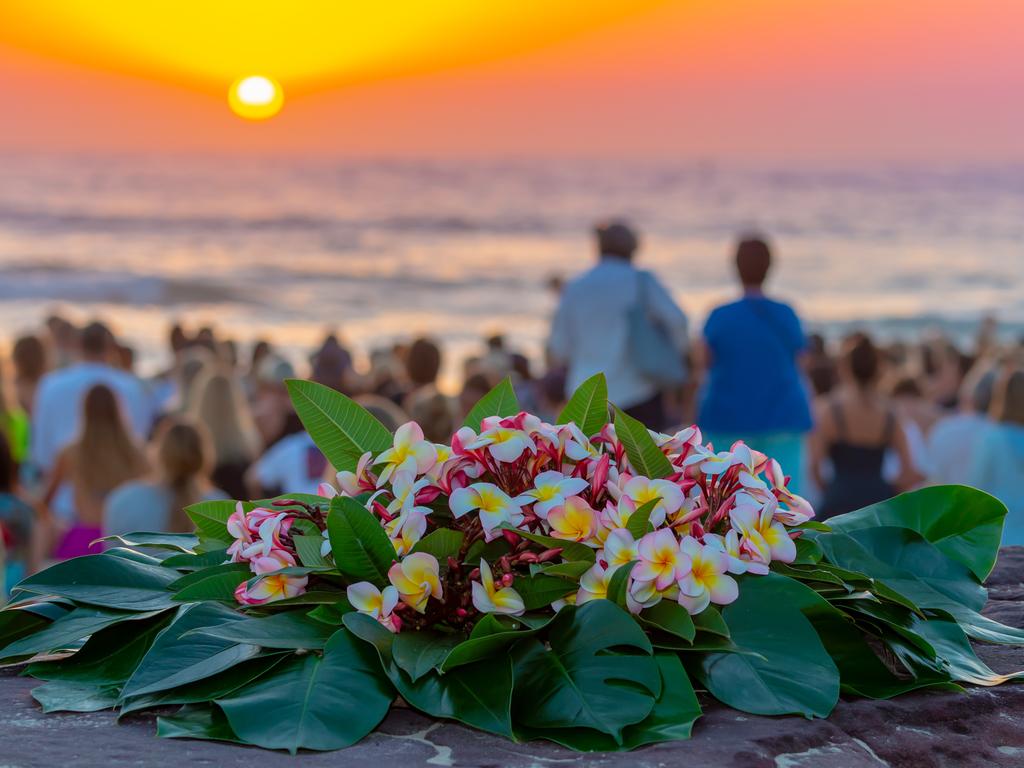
(668, 495)
(550, 490)
(593, 585)
(661, 560)
(709, 462)
(269, 533)
(271, 588)
(379, 604)
(730, 545)
(573, 521)
(488, 599)
(407, 529)
(238, 528)
(617, 515)
(325, 546)
(409, 453)
(504, 443)
(797, 510)
(763, 536)
(620, 549)
(644, 594)
(575, 444)
(274, 560)
(326, 490)
(416, 579)
(360, 481)
(707, 581)
(495, 506)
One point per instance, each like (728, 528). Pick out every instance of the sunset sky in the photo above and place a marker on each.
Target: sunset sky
(934, 80)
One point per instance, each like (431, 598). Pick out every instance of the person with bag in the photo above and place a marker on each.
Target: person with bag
(754, 390)
(621, 321)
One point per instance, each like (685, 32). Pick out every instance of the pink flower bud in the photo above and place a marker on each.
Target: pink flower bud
(511, 537)
(549, 554)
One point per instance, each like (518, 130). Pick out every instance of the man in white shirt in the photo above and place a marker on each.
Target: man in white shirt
(58, 408)
(291, 465)
(590, 332)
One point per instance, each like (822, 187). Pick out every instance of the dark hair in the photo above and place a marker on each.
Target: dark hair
(862, 358)
(8, 467)
(1008, 399)
(29, 357)
(423, 362)
(96, 339)
(184, 456)
(616, 238)
(753, 258)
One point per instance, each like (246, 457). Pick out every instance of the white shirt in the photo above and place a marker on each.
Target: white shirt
(57, 414)
(952, 444)
(590, 330)
(293, 464)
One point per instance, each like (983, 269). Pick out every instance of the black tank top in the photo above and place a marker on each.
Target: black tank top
(857, 479)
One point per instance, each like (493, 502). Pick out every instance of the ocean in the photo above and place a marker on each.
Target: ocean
(380, 249)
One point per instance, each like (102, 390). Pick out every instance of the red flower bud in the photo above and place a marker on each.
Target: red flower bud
(549, 554)
(511, 537)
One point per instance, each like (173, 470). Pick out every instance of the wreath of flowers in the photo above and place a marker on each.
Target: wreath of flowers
(578, 582)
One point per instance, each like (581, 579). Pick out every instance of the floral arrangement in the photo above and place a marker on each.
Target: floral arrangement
(579, 582)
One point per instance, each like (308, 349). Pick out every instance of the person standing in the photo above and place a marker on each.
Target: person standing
(596, 324)
(58, 408)
(754, 390)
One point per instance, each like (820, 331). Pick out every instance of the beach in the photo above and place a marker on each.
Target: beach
(388, 248)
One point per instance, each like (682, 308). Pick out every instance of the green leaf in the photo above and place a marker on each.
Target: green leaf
(964, 523)
(955, 656)
(211, 517)
(669, 616)
(588, 406)
(710, 621)
(180, 542)
(570, 570)
(500, 401)
(308, 549)
(596, 671)
(479, 695)
(208, 689)
(16, 623)
(196, 721)
(541, 591)
(318, 702)
(74, 696)
(672, 719)
(184, 562)
(491, 638)
(179, 657)
(108, 657)
(341, 428)
(571, 550)
(618, 585)
(418, 653)
(442, 544)
(219, 586)
(639, 522)
(65, 631)
(783, 669)
(293, 629)
(361, 548)
(641, 450)
(105, 581)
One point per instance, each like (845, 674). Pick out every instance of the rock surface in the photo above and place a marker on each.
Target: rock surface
(984, 727)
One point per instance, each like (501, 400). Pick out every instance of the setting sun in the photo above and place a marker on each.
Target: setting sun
(255, 97)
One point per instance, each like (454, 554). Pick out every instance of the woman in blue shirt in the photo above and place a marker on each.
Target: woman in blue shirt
(754, 389)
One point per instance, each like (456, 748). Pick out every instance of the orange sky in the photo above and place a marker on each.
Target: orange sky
(936, 80)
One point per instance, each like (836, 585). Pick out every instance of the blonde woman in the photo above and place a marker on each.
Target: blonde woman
(103, 457)
(218, 405)
(182, 477)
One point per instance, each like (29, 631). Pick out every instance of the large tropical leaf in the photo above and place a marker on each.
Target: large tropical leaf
(341, 428)
(106, 581)
(359, 544)
(478, 694)
(904, 562)
(178, 542)
(643, 453)
(314, 702)
(69, 628)
(291, 629)
(595, 671)
(964, 523)
(210, 519)
(418, 653)
(500, 401)
(782, 667)
(588, 406)
(196, 721)
(491, 637)
(180, 656)
(75, 696)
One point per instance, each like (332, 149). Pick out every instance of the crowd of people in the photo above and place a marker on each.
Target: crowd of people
(89, 449)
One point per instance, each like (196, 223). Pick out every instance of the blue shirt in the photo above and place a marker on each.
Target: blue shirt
(998, 468)
(754, 385)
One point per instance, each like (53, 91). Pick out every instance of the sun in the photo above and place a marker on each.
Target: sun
(255, 97)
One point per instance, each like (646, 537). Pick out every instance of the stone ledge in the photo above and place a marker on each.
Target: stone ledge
(984, 727)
